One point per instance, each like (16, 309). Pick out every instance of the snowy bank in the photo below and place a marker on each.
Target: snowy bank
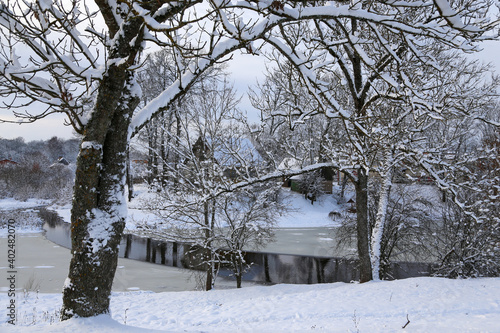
(12, 204)
(301, 213)
(419, 304)
(22, 214)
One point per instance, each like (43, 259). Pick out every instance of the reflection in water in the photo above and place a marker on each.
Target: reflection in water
(265, 267)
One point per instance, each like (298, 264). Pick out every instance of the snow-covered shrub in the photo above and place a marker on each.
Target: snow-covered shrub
(312, 185)
(411, 215)
(468, 247)
(246, 218)
(470, 241)
(25, 219)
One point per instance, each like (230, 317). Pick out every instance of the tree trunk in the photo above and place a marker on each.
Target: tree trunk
(130, 178)
(99, 206)
(239, 273)
(378, 228)
(365, 269)
(153, 153)
(150, 154)
(178, 132)
(344, 184)
(239, 267)
(208, 248)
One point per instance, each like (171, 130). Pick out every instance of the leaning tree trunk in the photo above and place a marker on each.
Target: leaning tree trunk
(99, 206)
(365, 268)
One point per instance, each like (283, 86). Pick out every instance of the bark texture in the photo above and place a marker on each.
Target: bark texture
(98, 213)
(99, 206)
(362, 227)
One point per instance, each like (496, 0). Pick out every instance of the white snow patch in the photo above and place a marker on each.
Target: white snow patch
(63, 211)
(304, 214)
(91, 145)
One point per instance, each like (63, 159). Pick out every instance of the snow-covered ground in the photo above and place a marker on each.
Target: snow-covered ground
(418, 304)
(303, 214)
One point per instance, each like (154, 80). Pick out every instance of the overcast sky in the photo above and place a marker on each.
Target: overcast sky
(246, 70)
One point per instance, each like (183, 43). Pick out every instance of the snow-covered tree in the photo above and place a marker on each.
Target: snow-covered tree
(194, 197)
(281, 138)
(162, 133)
(384, 86)
(82, 61)
(468, 241)
(246, 219)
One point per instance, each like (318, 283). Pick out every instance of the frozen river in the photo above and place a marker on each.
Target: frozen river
(42, 265)
(317, 241)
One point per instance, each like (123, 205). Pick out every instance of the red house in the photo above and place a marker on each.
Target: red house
(7, 162)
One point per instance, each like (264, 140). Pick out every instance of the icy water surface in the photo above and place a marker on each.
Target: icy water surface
(318, 241)
(42, 265)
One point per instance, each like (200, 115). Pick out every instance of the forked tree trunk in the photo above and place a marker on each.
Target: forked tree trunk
(99, 206)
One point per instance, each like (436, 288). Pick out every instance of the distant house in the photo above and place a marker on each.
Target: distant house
(7, 162)
(352, 205)
(63, 169)
(232, 155)
(62, 160)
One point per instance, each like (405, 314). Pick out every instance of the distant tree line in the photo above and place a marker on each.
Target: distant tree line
(37, 169)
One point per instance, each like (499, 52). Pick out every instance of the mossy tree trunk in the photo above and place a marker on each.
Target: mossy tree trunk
(99, 201)
(99, 206)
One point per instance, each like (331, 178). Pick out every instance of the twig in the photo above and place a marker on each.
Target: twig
(407, 321)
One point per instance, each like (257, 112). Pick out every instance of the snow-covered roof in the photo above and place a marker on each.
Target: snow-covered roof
(290, 163)
(232, 151)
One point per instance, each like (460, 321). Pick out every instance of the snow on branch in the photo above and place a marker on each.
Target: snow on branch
(279, 174)
(47, 60)
(453, 18)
